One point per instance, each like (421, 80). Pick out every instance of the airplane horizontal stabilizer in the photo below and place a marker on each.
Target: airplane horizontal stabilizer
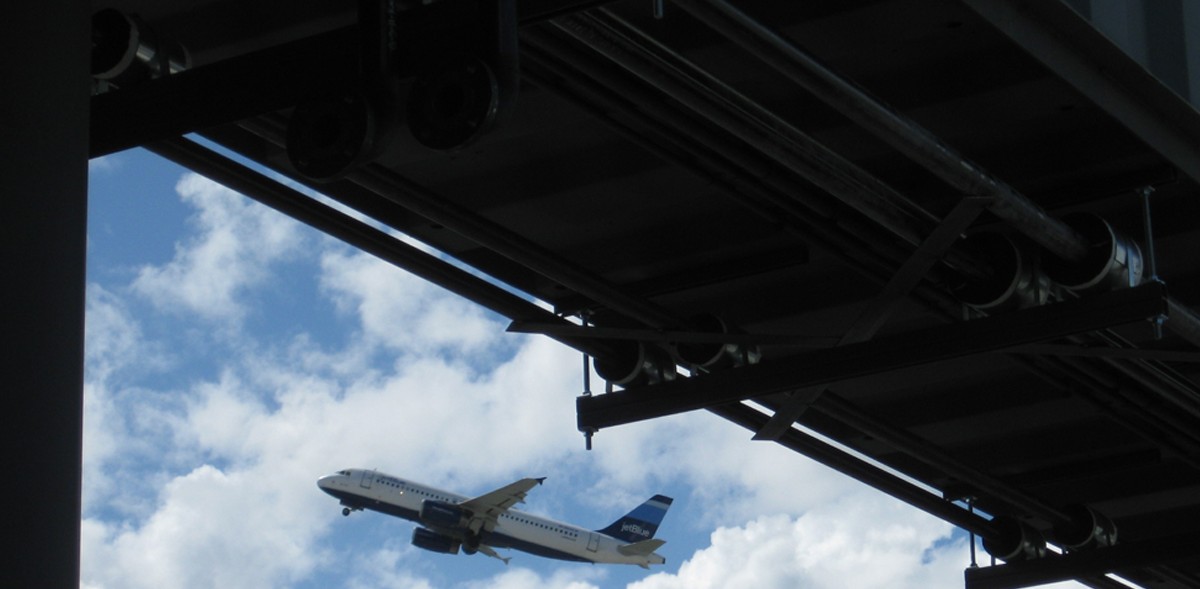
(644, 548)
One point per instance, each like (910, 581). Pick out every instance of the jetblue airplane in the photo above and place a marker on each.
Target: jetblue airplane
(484, 523)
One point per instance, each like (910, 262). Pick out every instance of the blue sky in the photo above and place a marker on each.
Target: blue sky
(233, 356)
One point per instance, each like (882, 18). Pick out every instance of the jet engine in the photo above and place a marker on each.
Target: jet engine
(444, 515)
(433, 541)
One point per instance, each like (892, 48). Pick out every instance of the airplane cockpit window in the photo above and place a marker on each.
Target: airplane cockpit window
(345, 472)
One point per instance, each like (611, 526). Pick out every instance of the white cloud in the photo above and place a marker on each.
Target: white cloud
(739, 478)
(403, 312)
(113, 338)
(106, 163)
(428, 416)
(237, 240)
(115, 351)
(383, 569)
(211, 529)
(210, 480)
(865, 540)
(522, 578)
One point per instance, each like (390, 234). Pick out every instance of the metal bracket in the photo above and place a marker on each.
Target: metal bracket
(876, 314)
(1076, 565)
(827, 366)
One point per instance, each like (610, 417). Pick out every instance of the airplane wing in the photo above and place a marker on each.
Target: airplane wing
(489, 506)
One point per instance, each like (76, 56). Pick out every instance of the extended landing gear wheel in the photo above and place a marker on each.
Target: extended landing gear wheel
(345, 511)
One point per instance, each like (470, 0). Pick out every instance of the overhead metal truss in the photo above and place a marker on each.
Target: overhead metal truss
(861, 196)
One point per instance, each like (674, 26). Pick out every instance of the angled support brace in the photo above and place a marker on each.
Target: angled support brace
(827, 366)
(876, 314)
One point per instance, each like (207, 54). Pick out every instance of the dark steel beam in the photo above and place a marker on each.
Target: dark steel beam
(1113, 559)
(363, 236)
(264, 81)
(860, 470)
(508, 243)
(43, 237)
(230, 90)
(842, 363)
(1063, 41)
(535, 11)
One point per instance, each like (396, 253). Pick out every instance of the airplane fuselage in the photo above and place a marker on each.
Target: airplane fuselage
(359, 489)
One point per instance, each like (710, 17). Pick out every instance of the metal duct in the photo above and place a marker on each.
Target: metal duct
(641, 364)
(329, 136)
(716, 355)
(1088, 529)
(1112, 260)
(1014, 540)
(1016, 281)
(126, 51)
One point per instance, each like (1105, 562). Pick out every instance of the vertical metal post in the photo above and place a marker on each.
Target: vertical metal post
(971, 510)
(1151, 260)
(587, 390)
(43, 226)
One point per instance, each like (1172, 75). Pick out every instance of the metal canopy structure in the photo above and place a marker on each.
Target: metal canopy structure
(947, 247)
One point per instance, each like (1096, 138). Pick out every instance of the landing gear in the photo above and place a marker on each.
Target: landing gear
(345, 511)
(471, 542)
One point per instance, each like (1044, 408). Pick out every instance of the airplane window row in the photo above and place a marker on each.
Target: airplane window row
(432, 496)
(560, 530)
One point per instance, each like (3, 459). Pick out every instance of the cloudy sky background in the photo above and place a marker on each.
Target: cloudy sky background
(234, 355)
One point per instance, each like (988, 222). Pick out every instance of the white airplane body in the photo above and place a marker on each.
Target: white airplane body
(447, 521)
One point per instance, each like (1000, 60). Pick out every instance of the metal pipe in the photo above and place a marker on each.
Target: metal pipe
(363, 236)
(1071, 374)
(772, 137)
(763, 130)
(846, 412)
(902, 133)
(745, 177)
(852, 466)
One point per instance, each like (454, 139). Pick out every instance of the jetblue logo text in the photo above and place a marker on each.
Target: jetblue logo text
(636, 529)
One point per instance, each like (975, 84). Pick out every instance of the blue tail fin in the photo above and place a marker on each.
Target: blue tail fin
(641, 523)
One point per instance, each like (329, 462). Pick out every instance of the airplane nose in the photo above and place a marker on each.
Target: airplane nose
(326, 482)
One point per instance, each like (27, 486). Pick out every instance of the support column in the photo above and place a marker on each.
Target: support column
(43, 218)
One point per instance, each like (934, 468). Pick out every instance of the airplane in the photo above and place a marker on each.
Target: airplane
(447, 521)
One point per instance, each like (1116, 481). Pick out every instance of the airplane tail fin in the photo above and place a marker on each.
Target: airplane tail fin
(641, 523)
